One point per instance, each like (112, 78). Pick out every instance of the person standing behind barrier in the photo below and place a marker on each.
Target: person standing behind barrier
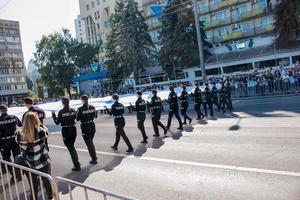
(214, 97)
(198, 101)
(66, 117)
(29, 104)
(223, 101)
(184, 97)
(140, 108)
(208, 101)
(8, 144)
(86, 115)
(228, 96)
(174, 109)
(156, 108)
(32, 141)
(117, 110)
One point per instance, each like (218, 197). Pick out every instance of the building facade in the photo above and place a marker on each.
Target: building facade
(80, 29)
(12, 69)
(33, 74)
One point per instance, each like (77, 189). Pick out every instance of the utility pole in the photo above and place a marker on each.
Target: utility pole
(199, 40)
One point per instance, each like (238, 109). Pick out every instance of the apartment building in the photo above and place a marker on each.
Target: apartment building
(12, 68)
(241, 31)
(80, 29)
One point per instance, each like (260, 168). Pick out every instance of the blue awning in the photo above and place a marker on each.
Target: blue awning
(91, 76)
(157, 10)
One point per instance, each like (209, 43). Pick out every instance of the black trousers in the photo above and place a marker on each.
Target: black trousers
(216, 102)
(156, 122)
(141, 117)
(229, 103)
(174, 111)
(209, 105)
(184, 107)
(120, 124)
(88, 133)
(69, 135)
(223, 103)
(9, 147)
(197, 108)
(36, 183)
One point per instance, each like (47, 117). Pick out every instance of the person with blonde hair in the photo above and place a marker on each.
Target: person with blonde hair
(32, 140)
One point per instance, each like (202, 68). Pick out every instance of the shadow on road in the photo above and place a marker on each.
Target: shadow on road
(140, 150)
(157, 142)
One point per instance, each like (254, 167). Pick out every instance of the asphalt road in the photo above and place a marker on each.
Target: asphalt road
(253, 153)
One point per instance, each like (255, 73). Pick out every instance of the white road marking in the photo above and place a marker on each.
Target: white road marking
(191, 163)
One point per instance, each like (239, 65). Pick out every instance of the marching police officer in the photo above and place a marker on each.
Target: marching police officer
(184, 97)
(156, 108)
(214, 97)
(208, 101)
(140, 108)
(8, 144)
(29, 104)
(86, 115)
(173, 102)
(228, 96)
(223, 101)
(198, 101)
(117, 110)
(66, 117)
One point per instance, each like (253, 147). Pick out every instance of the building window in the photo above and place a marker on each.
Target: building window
(216, 2)
(201, 6)
(98, 26)
(266, 21)
(98, 2)
(93, 4)
(222, 16)
(244, 27)
(204, 19)
(223, 31)
(87, 6)
(105, 24)
(242, 9)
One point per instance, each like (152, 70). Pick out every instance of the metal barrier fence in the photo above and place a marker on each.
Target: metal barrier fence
(13, 185)
(277, 87)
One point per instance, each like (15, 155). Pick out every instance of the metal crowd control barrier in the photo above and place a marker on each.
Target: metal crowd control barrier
(98, 192)
(14, 186)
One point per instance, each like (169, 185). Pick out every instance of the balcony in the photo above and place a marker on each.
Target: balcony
(226, 4)
(156, 25)
(216, 23)
(264, 29)
(249, 14)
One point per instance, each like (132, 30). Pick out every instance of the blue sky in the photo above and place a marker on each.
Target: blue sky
(38, 18)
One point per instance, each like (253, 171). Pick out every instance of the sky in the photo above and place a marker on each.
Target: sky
(38, 18)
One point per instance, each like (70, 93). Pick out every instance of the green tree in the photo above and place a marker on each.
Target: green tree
(29, 83)
(129, 47)
(178, 37)
(287, 21)
(59, 56)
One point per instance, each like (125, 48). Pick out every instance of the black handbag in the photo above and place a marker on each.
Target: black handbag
(20, 159)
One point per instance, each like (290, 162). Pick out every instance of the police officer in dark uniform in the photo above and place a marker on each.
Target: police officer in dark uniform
(29, 104)
(140, 108)
(198, 101)
(214, 97)
(66, 117)
(156, 108)
(228, 96)
(208, 101)
(86, 115)
(223, 101)
(184, 97)
(8, 144)
(117, 110)
(173, 102)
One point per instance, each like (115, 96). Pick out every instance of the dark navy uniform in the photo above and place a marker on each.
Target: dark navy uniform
(198, 102)
(214, 97)
(66, 117)
(208, 101)
(86, 115)
(117, 110)
(8, 144)
(223, 100)
(156, 108)
(228, 97)
(40, 112)
(140, 108)
(184, 97)
(173, 102)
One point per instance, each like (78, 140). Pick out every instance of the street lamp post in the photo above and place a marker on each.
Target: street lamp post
(199, 40)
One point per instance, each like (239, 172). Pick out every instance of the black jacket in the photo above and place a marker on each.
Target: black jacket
(86, 113)
(66, 117)
(8, 125)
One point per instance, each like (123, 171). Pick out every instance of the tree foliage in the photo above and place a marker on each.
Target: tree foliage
(58, 57)
(29, 83)
(287, 21)
(129, 47)
(178, 38)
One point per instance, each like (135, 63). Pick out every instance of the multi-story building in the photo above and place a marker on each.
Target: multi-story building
(80, 29)
(12, 68)
(242, 34)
